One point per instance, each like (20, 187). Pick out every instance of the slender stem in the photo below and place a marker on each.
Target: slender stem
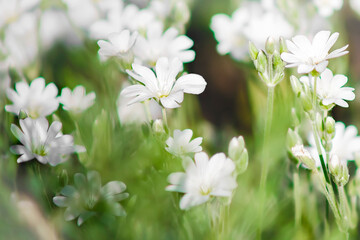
(297, 198)
(344, 208)
(163, 110)
(265, 157)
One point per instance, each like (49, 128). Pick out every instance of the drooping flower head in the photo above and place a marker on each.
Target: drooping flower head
(37, 100)
(88, 197)
(203, 179)
(46, 144)
(163, 87)
(181, 144)
(312, 56)
(76, 101)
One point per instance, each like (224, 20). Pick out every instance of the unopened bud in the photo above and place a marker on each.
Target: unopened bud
(283, 47)
(279, 64)
(306, 101)
(296, 85)
(339, 170)
(261, 62)
(303, 156)
(238, 153)
(292, 139)
(270, 45)
(22, 114)
(330, 125)
(253, 51)
(236, 147)
(294, 117)
(158, 126)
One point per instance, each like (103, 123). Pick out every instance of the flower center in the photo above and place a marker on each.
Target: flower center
(205, 190)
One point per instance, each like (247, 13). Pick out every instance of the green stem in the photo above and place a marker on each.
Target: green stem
(163, 110)
(297, 199)
(344, 208)
(265, 157)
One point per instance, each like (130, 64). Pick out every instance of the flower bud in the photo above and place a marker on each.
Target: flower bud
(292, 139)
(303, 156)
(238, 153)
(338, 170)
(330, 125)
(283, 47)
(306, 101)
(270, 45)
(261, 62)
(158, 126)
(22, 114)
(296, 85)
(253, 51)
(279, 64)
(236, 148)
(294, 117)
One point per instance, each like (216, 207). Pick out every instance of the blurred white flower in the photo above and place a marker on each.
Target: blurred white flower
(355, 5)
(11, 11)
(136, 113)
(76, 101)
(330, 89)
(181, 144)
(119, 45)
(163, 87)
(345, 144)
(42, 142)
(158, 44)
(203, 179)
(82, 200)
(253, 22)
(54, 27)
(326, 8)
(309, 56)
(21, 41)
(37, 100)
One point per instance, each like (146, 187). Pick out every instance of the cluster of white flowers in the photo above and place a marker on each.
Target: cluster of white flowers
(253, 22)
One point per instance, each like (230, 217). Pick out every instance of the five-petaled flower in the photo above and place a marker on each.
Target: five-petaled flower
(46, 144)
(312, 56)
(203, 179)
(181, 144)
(163, 87)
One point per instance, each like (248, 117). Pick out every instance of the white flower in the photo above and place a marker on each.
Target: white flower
(119, 45)
(158, 44)
(330, 89)
(182, 144)
(42, 142)
(345, 144)
(326, 8)
(309, 56)
(163, 87)
(76, 101)
(253, 22)
(36, 100)
(203, 179)
(355, 5)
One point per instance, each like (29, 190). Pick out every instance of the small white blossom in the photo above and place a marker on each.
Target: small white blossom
(37, 100)
(159, 43)
(253, 22)
(345, 144)
(326, 8)
(163, 87)
(181, 143)
(76, 101)
(203, 179)
(46, 144)
(330, 89)
(309, 56)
